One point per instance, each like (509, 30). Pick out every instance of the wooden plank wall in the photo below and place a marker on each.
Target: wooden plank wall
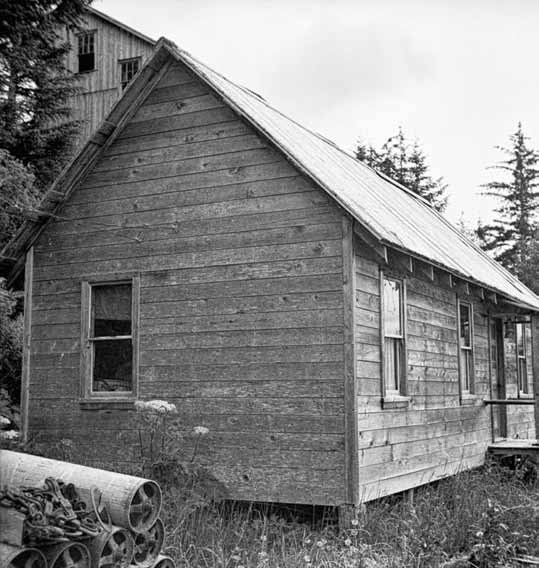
(241, 315)
(436, 435)
(100, 88)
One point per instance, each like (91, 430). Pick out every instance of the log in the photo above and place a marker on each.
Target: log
(67, 555)
(148, 545)
(133, 503)
(114, 548)
(15, 557)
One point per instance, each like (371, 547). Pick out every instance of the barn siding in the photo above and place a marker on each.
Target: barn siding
(100, 89)
(435, 435)
(241, 300)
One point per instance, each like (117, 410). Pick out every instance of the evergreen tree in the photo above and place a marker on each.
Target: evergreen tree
(17, 194)
(35, 85)
(406, 164)
(512, 236)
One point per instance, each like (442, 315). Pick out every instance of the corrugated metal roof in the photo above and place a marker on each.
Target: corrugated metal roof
(396, 216)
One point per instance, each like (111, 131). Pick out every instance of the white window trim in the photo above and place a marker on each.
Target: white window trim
(469, 393)
(392, 398)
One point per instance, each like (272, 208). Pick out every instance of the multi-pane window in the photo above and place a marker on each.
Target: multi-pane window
(86, 51)
(110, 338)
(523, 334)
(128, 69)
(466, 363)
(394, 364)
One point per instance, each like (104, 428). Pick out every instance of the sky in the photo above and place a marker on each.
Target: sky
(456, 75)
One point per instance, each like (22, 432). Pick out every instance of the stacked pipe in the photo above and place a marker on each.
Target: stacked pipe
(126, 510)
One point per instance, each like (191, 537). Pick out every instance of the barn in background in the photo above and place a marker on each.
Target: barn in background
(337, 336)
(105, 56)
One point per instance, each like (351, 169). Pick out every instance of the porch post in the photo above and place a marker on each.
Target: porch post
(535, 367)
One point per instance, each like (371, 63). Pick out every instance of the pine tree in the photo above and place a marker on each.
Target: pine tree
(17, 194)
(512, 235)
(34, 84)
(406, 164)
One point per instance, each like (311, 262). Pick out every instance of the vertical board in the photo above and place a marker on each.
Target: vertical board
(25, 377)
(350, 382)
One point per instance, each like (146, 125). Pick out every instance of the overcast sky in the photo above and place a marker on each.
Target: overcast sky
(457, 75)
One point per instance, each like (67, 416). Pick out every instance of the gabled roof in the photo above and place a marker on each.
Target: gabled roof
(393, 215)
(120, 25)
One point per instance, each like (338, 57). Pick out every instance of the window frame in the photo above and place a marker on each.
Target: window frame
(522, 393)
(121, 63)
(470, 391)
(392, 398)
(81, 35)
(88, 342)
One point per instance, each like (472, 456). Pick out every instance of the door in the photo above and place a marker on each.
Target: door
(497, 363)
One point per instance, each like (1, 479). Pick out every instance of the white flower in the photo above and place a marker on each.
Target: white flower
(308, 541)
(307, 558)
(4, 421)
(201, 430)
(159, 406)
(347, 542)
(354, 532)
(9, 434)
(263, 538)
(355, 522)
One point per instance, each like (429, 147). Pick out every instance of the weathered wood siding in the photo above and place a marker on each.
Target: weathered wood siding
(435, 435)
(100, 89)
(241, 300)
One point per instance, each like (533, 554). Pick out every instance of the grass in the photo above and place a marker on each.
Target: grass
(482, 518)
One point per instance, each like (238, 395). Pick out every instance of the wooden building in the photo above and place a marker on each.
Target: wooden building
(104, 56)
(337, 336)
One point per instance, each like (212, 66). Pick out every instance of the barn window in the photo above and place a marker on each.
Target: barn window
(110, 323)
(393, 336)
(465, 335)
(86, 51)
(128, 69)
(523, 334)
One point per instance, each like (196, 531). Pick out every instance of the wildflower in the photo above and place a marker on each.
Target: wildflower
(355, 522)
(348, 542)
(479, 534)
(307, 558)
(321, 543)
(263, 538)
(4, 421)
(9, 434)
(308, 541)
(262, 554)
(201, 430)
(354, 532)
(159, 406)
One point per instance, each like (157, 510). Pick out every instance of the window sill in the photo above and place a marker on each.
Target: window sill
(396, 401)
(525, 395)
(86, 72)
(107, 404)
(469, 399)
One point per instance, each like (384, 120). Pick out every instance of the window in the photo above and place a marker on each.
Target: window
(86, 52)
(465, 335)
(523, 333)
(128, 69)
(109, 327)
(393, 336)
